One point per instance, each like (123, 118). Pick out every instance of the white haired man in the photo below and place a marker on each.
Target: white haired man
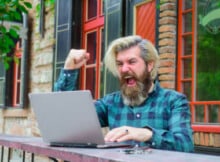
(141, 112)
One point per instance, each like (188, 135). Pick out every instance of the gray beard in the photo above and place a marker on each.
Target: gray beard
(134, 96)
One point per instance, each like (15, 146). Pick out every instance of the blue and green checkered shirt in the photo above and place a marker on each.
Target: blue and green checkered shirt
(166, 112)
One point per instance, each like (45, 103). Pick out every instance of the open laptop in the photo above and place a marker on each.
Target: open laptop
(69, 119)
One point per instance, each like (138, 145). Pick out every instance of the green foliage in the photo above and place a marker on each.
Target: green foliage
(208, 67)
(159, 4)
(207, 55)
(10, 10)
(48, 3)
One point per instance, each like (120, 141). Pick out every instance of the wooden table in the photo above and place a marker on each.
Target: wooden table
(36, 146)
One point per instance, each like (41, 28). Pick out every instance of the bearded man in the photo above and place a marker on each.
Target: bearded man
(141, 113)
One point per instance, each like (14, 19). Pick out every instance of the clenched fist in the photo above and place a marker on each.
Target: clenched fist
(76, 59)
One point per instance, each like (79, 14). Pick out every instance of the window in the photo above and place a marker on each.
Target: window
(2, 85)
(68, 31)
(198, 67)
(13, 86)
(93, 30)
(114, 28)
(63, 34)
(17, 75)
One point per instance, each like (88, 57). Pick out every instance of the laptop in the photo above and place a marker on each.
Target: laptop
(69, 119)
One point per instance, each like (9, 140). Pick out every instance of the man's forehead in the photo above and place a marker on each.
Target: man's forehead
(128, 56)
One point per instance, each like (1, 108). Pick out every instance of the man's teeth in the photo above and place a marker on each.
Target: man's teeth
(127, 77)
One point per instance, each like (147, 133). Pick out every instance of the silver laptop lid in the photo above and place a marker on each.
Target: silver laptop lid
(67, 117)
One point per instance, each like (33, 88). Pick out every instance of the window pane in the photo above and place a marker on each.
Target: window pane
(62, 47)
(187, 4)
(187, 69)
(92, 9)
(214, 114)
(102, 67)
(102, 44)
(91, 47)
(2, 89)
(103, 7)
(187, 45)
(90, 80)
(2, 70)
(199, 110)
(17, 92)
(187, 21)
(208, 54)
(58, 69)
(187, 90)
(102, 82)
(2, 83)
(19, 70)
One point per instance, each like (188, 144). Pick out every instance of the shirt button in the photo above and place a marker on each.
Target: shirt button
(68, 75)
(153, 143)
(138, 115)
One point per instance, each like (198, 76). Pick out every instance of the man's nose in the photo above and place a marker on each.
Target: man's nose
(124, 68)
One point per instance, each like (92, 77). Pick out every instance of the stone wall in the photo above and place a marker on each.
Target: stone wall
(41, 58)
(22, 121)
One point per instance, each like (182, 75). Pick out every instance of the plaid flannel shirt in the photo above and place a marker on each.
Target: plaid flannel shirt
(166, 112)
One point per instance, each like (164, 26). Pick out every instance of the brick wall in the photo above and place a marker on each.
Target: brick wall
(167, 43)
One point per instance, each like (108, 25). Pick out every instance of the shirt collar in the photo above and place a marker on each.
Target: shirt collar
(154, 89)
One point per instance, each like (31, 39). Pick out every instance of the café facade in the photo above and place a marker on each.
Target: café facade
(186, 34)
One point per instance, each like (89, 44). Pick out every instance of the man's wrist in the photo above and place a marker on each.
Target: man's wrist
(69, 64)
(149, 133)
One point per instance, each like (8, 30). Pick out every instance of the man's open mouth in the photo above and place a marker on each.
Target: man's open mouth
(130, 80)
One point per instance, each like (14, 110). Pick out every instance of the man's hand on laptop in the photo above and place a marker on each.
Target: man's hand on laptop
(126, 133)
(76, 59)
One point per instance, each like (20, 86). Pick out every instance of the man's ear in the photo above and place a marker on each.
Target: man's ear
(150, 66)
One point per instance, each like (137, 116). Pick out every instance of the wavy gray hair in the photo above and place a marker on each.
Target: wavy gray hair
(148, 53)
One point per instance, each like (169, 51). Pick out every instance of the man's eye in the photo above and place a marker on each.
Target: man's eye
(119, 64)
(132, 61)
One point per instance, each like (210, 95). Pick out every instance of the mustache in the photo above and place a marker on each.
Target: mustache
(127, 75)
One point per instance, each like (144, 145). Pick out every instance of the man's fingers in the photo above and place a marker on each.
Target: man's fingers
(128, 133)
(116, 134)
(124, 138)
(82, 57)
(76, 59)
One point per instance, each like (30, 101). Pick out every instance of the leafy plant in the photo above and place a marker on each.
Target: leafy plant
(48, 3)
(10, 11)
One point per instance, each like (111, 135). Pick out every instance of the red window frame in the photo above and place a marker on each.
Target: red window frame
(205, 126)
(16, 75)
(90, 25)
